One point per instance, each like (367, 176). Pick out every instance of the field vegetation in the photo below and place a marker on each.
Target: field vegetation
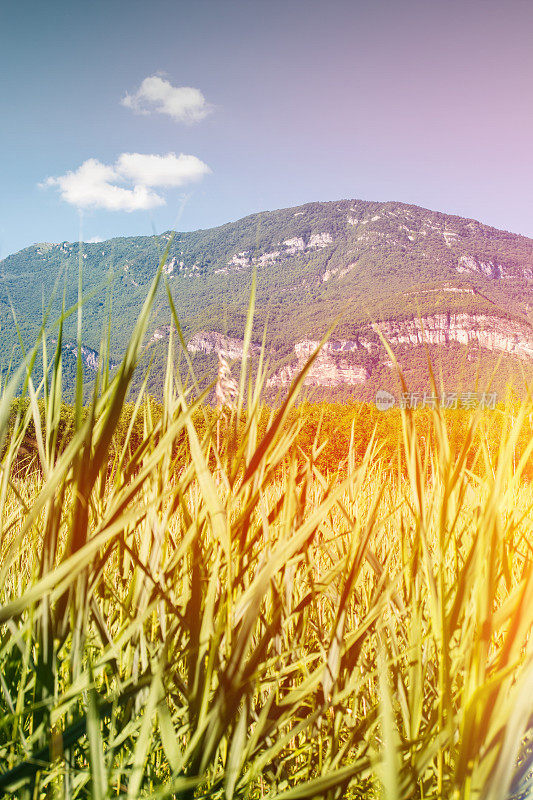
(296, 602)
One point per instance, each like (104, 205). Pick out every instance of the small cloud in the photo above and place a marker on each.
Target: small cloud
(153, 170)
(97, 185)
(94, 240)
(93, 186)
(155, 94)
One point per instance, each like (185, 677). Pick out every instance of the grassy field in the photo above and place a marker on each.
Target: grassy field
(214, 612)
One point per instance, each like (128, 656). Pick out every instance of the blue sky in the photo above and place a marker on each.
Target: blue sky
(425, 102)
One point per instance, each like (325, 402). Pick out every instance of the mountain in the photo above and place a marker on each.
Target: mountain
(433, 284)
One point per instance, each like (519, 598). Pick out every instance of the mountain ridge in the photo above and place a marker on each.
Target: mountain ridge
(360, 262)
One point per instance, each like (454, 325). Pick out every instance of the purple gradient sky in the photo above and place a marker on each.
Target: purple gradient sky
(427, 102)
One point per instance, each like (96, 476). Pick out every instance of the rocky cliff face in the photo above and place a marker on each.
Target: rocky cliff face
(492, 269)
(329, 369)
(489, 332)
(333, 366)
(288, 247)
(217, 343)
(89, 356)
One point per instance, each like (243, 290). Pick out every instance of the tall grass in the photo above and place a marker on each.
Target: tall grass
(207, 615)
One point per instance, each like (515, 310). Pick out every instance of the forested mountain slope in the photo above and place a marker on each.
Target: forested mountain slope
(361, 267)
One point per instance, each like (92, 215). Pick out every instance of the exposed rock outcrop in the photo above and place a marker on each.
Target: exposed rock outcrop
(160, 333)
(491, 269)
(243, 259)
(319, 240)
(89, 356)
(213, 342)
(334, 365)
(328, 369)
(293, 245)
(489, 332)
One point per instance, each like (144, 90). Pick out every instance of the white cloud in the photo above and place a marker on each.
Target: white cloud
(94, 240)
(182, 103)
(97, 185)
(153, 170)
(90, 186)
